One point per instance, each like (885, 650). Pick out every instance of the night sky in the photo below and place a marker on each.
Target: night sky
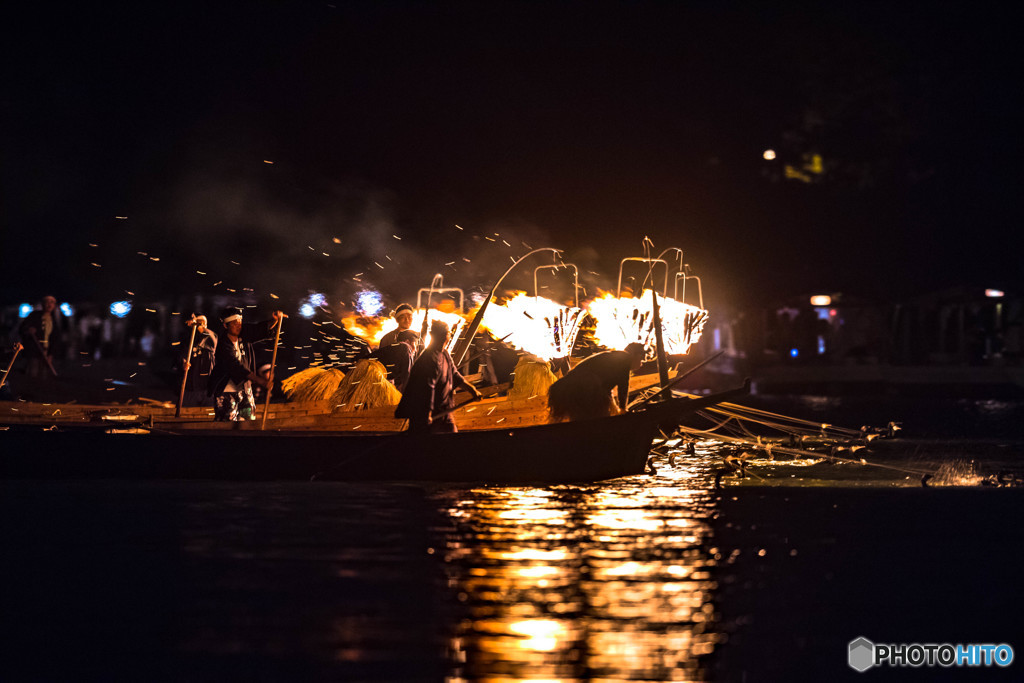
(584, 126)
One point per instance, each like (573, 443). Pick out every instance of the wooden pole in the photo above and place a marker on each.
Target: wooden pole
(462, 347)
(659, 343)
(17, 347)
(46, 358)
(273, 365)
(188, 362)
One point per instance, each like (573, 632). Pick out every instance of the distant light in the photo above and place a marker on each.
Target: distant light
(25, 310)
(66, 309)
(369, 303)
(121, 308)
(821, 345)
(793, 353)
(769, 154)
(994, 293)
(306, 310)
(317, 299)
(821, 300)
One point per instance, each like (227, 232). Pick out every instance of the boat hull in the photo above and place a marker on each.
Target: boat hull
(581, 451)
(585, 451)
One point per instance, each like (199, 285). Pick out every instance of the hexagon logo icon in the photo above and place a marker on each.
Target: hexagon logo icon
(861, 654)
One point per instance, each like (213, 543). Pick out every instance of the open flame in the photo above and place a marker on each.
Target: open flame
(536, 325)
(373, 329)
(549, 330)
(624, 320)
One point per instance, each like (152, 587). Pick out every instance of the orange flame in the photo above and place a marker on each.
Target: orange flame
(373, 329)
(536, 325)
(624, 320)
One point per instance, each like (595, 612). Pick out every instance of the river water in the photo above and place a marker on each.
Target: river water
(657, 577)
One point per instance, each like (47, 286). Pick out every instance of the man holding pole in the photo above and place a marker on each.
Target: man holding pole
(197, 363)
(41, 337)
(234, 367)
(429, 396)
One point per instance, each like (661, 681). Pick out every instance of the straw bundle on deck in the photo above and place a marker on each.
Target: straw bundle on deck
(322, 386)
(532, 377)
(290, 383)
(366, 386)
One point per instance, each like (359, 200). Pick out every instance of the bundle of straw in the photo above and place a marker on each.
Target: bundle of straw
(321, 386)
(366, 386)
(290, 383)
(532, 377)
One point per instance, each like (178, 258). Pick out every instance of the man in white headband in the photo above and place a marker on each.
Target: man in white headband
(234, 367)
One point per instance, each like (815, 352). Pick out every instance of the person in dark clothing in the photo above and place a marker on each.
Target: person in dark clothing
(42, 338)
(402, 316)
(585, 392)
(234, 366)
(431, 387)
(398, 357)
(199, 365)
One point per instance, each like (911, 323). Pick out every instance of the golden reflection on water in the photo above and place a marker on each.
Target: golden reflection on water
(568, 584)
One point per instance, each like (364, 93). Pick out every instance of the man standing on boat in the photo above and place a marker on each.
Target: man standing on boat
(41, 338)
(199, 365)
(585, 392)
(402, 316)
(234, 366)
(398, 357)
(430, 392)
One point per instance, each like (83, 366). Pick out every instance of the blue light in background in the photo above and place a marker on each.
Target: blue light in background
(66, 309)
(121, 308)
(369, 302)
(793, 353)
(25, 310)
(317, 299)
(306, 310)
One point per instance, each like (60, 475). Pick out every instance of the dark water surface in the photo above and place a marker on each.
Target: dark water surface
(651, 578)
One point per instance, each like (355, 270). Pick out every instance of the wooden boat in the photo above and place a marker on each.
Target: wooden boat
(491, 413)
(583, 451)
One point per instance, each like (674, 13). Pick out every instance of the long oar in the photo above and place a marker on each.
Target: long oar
(17, 347)
(188, 362)
(273, 365)
(665, 389)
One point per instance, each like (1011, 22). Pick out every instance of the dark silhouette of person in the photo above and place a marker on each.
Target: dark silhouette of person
(585, 392)
(42, 337)
(431, 387)
(398, 357)
(200, 364)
